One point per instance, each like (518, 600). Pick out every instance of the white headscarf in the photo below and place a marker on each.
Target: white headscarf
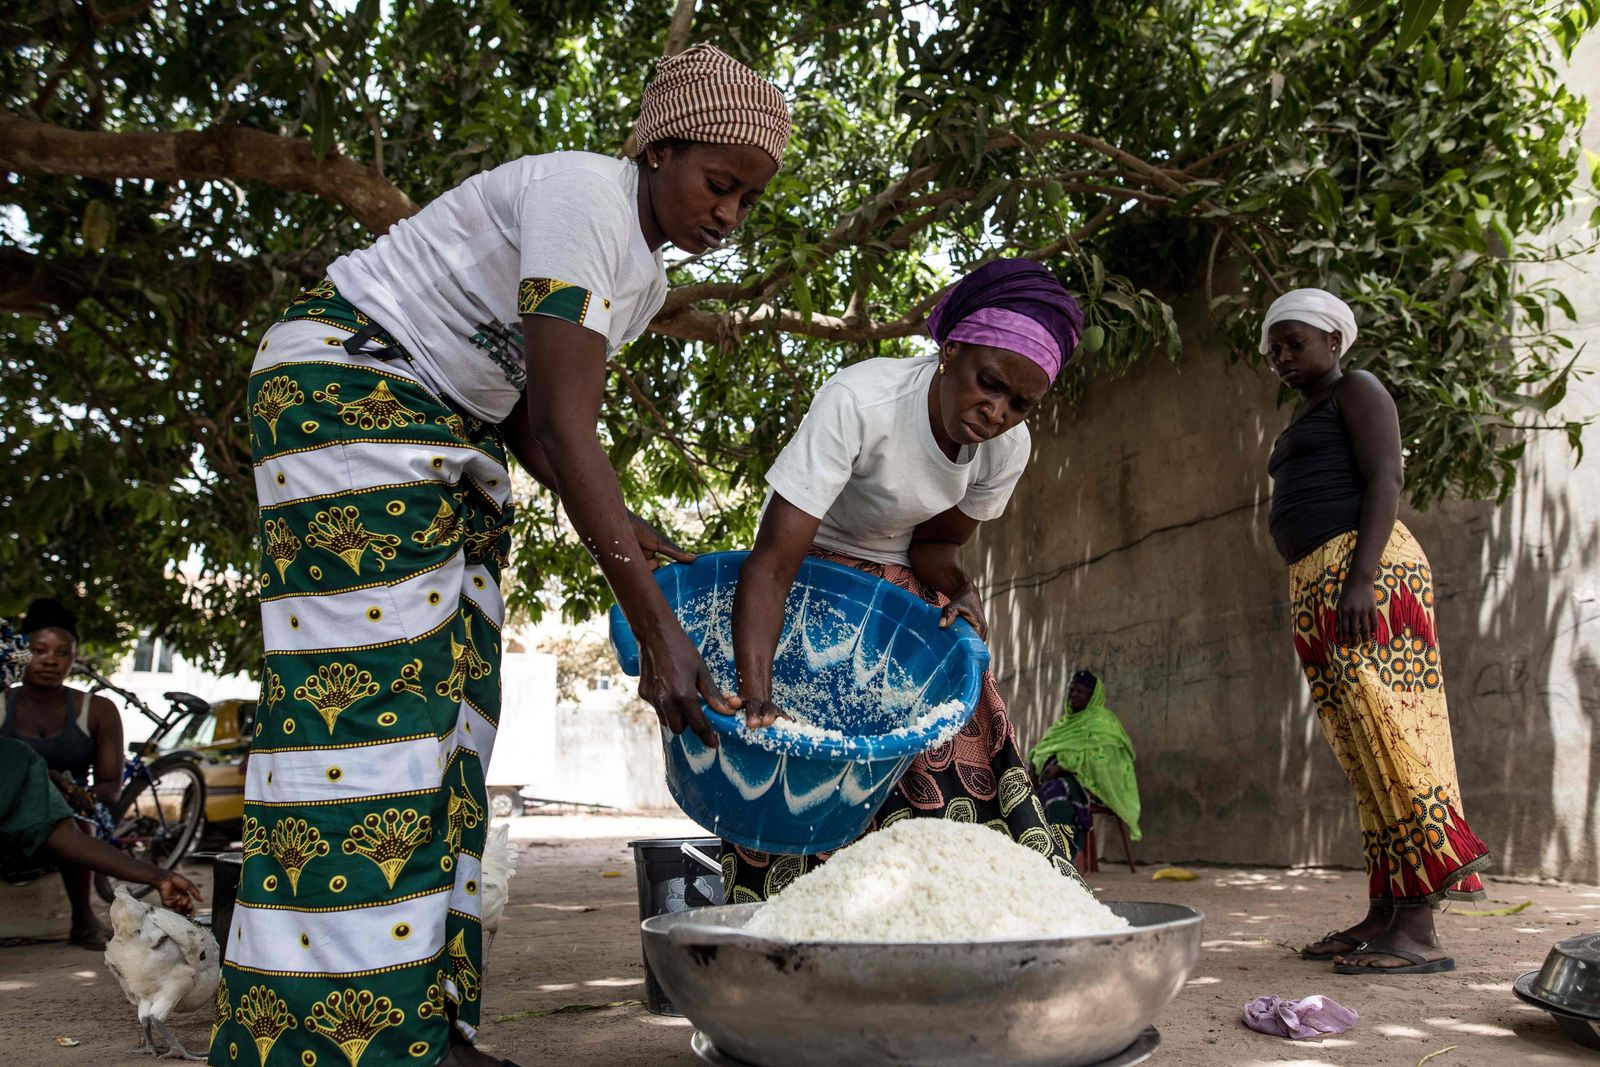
(1314, 307)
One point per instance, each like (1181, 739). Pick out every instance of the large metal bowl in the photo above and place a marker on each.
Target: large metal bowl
(1043, 1002)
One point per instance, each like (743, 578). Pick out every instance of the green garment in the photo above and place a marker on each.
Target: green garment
(1093, 746)
(30, 804)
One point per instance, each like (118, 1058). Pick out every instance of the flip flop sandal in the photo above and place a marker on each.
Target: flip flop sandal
(94, 940)
(1416, 964)
(1335, 935)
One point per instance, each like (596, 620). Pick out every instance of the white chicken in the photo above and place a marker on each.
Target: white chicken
(164, 963)
(499, 864)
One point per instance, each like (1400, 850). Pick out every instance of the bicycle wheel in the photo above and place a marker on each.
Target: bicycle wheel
(158, 819)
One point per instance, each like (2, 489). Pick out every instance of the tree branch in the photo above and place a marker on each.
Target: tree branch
(692, 324)
(212, 154)
(44, 287)
(664, 427)
(893, 202)
(682, 25)
(677, 40)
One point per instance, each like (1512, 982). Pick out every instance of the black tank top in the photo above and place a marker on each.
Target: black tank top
(72, 750)
(1316, 485)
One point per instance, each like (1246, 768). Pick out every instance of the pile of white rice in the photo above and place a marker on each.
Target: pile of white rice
(932, 879)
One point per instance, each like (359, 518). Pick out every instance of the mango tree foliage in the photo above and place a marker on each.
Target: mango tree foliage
(176, 171)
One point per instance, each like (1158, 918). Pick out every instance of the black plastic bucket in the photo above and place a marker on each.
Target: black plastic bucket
(226, 868)
(670, 881)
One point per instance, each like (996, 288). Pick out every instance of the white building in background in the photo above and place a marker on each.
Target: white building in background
(154, 668)
(603, 749)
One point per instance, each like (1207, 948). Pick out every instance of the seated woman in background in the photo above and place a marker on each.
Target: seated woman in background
(37, 827)
(894, 466)
(72, 733)
(1086, 757)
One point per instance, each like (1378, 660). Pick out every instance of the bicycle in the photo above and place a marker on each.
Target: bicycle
(14, 656)
(160, 815)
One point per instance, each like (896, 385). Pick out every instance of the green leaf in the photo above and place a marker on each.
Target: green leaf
(99, 225)
(802, 297)
(1189, 200)
(1454, 12)
(1414, 18)
(323, 133)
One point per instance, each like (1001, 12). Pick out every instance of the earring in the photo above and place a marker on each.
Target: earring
(941, 366)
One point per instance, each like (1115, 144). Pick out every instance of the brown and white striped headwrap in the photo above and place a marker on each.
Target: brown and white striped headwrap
(704, 94)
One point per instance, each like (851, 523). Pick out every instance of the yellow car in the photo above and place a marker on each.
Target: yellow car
(221, 740)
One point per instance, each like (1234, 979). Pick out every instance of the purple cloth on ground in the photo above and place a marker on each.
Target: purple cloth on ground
(1315, 1016)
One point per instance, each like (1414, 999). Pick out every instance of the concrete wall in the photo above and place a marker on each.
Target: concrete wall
(1137, 545)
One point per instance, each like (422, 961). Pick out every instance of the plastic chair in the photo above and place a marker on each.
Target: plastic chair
(1085, 860)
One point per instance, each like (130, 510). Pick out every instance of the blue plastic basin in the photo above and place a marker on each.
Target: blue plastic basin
(857, 655)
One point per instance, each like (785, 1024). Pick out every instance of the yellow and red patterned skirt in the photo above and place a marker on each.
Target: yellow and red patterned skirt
(1382, 709)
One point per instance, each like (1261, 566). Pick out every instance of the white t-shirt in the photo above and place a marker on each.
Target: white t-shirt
(865, 462)
(555, 234)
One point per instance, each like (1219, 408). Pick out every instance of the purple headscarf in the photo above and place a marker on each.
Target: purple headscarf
(1013, 304)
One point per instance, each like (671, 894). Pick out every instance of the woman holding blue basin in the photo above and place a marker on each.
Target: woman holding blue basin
(893, 468)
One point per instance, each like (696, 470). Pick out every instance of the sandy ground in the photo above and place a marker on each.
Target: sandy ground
(570, 938)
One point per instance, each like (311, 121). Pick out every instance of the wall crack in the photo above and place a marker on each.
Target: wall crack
(1044, 578)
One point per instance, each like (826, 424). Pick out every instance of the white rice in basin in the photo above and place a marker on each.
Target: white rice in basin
(932, 879)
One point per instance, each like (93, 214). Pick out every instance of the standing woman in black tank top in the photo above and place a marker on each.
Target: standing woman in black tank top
(51, 718)
(1362, 596)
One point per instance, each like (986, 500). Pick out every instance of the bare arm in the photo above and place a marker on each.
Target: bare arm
(782, 541)
(936, 561)
(105, 726)
(520, 440)
(1373, 424)
(566, 384)
(67, 842)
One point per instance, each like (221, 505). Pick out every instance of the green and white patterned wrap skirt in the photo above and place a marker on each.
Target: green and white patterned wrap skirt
(384, 518)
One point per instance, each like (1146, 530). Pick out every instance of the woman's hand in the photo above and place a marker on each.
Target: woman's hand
(765, 578)
(177, 892)
(760, 710)
(653, 544)
(966, 605)
(1358, 612)
(673, 679)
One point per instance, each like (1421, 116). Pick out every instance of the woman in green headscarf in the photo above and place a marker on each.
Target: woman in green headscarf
(1087, 755)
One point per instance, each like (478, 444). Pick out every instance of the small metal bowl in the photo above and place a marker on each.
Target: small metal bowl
(1570, 977)
(1585, 1031)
